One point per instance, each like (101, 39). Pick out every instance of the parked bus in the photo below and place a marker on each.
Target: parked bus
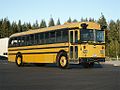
(4, 47)
(71, 43)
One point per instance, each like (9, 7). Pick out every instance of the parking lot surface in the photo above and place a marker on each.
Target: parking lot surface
(50, 77)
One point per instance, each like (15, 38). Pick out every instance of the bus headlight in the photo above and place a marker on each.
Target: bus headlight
(102, 51)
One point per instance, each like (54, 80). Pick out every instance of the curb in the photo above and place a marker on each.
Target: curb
(114, 63)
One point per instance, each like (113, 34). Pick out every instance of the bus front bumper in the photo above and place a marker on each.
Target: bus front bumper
(88, 60)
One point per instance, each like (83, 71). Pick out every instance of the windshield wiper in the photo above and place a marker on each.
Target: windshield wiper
(100, 41)
(85, 41)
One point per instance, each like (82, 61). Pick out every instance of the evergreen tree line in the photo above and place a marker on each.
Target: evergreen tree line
(8, 28)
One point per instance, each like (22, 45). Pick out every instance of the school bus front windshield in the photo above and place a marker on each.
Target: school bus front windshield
(90, 35)
(100, 36)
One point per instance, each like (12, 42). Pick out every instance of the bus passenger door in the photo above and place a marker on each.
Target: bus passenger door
(73, 46)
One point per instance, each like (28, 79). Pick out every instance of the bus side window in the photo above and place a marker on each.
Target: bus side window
(65, 35)
(52, 37)
(76, 36)
(36, 39)
(58, 36)
(12, 42)
(47, 37)
(22, 43)
(31, 40)
(41, 38)
(18, 41)
(27, 40)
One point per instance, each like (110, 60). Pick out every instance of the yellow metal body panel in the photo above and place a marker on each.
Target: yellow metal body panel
(37, 54)
(91, 51)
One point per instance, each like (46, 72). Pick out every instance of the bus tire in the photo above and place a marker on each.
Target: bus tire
(62, 60)
(19, 61)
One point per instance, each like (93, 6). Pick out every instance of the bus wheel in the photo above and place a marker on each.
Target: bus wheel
(62, 61)
(19, 61)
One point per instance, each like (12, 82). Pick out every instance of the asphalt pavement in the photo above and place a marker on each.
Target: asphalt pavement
(50, 77)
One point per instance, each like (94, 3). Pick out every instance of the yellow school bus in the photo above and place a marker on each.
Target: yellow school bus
(70, 43)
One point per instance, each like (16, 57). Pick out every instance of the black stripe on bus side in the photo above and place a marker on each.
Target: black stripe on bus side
(36, 53)
(39, 48)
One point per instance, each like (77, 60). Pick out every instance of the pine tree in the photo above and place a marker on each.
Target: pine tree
(29, 25)
(75, 20)
(14, 27)
(25, 27)
(114, 46)
(43, 24)
(118, 30)
(58, 22)
(102, 21)
(1, 30)
(82, 20)
(51, 22)
(91, 19)
(86, 20)
(19, 26)
(35, 25)
(5, 27)
(69, 20)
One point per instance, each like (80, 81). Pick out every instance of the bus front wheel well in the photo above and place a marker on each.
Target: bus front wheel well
(62, 59)
(61, 51)
(19, 54)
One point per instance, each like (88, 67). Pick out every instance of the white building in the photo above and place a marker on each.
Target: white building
(4, 47)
